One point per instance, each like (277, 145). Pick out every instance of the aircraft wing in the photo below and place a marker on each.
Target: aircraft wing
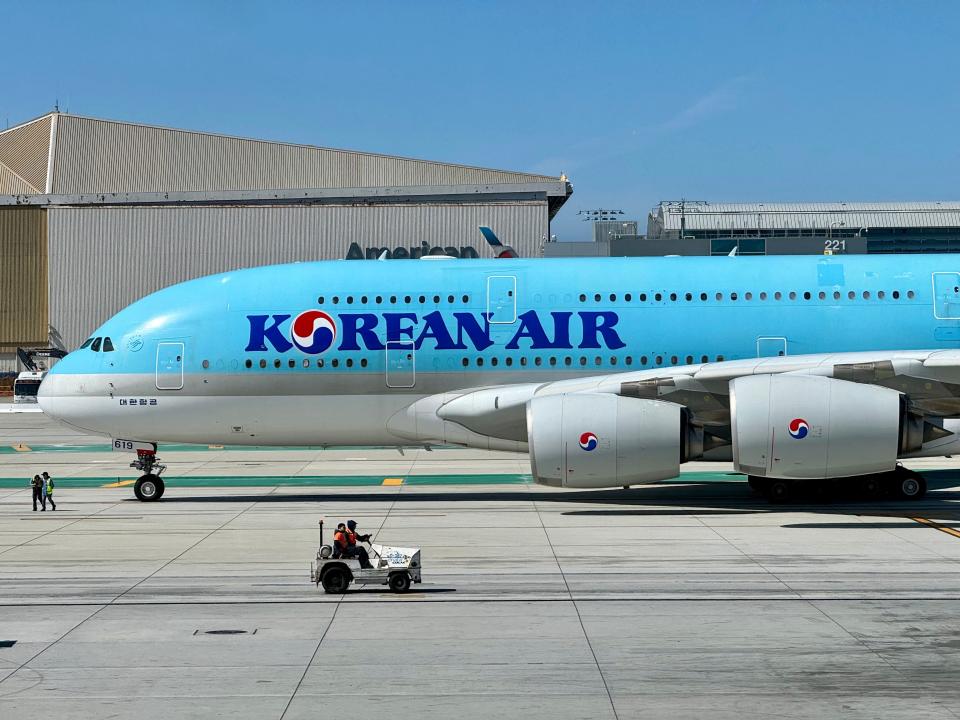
(847, 400)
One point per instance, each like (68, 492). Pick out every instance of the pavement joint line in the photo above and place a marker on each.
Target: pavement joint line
(333, 617)
(937, 526)
(29, 660)
(576, 609)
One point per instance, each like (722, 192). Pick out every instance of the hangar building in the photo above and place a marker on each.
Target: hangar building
(97, 213)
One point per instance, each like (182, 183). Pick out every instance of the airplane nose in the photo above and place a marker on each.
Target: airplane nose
(47, 398)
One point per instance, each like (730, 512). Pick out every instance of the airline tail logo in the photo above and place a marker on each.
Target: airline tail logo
(588, 441)
(313, 331)
(798, 428)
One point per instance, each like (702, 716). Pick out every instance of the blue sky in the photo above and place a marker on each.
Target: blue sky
(635, 102)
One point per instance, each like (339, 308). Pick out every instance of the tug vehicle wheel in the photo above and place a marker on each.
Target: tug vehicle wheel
(399, 582)
(335, 580)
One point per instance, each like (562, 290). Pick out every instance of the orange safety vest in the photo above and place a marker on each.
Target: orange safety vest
(341, 540)
(351, 537)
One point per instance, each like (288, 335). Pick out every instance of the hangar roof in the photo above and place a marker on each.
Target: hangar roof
(63, 154)
(802, 216)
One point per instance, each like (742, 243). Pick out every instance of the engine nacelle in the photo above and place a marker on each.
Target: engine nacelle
(595, 440)
(808, 426)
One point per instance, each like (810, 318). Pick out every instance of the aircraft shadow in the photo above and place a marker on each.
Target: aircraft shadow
(709, 498)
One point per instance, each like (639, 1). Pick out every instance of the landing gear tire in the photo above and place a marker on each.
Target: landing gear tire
(759, 485)
(149, 488)
(909, 485)
(872, 487)
(399, 582)
(335, 581)
(779, 491)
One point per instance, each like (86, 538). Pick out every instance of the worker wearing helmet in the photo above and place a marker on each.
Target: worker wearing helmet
(355, 550)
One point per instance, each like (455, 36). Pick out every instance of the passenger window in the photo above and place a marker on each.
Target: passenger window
(96, 344)
(703, 297)
(86, 344)
(249, 364)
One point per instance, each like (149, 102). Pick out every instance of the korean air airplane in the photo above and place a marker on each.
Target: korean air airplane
(609, 372)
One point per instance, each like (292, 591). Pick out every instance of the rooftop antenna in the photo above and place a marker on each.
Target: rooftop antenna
(56, 105)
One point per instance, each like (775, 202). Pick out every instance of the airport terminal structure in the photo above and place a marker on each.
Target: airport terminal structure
(95, 214)
(699, 227)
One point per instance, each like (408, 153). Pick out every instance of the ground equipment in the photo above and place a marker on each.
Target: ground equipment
(396, 567)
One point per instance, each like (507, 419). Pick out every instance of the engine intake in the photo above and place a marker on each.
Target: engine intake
(594, 440)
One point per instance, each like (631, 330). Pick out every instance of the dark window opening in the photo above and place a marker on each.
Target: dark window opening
(107, 345)
(96, 344)
(86, 343)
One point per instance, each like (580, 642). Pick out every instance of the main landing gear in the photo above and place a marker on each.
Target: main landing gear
(149, 487)
(899, 484)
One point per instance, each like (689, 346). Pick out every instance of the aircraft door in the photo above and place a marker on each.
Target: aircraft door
(401, 364)
(946, 295)
(502, 299)
(170, 356)
(768, 346)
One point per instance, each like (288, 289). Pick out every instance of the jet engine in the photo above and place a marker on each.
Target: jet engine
(808, 426)
(594, 440)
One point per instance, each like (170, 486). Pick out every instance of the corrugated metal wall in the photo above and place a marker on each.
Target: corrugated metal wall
(24, 152)
(23, 277)
(104, 156)
(102, 259)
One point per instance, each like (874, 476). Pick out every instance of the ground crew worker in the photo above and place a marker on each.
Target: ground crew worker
(357, 550)
(48, 489)
(340, 542)
(37, 485)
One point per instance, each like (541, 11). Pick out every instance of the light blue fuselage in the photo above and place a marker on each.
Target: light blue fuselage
(391, 330)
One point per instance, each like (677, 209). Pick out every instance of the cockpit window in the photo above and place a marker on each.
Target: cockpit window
(107, 345)
(87, 343)
(96, 345)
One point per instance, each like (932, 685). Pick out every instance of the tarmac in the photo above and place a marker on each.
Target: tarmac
(691, 598)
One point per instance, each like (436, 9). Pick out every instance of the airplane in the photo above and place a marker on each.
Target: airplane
(609, 372)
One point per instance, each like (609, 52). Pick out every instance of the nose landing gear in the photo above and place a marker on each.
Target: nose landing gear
(149, 487)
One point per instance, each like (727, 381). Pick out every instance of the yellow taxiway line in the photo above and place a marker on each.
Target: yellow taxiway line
(937, 526)
(119, 483)
(393, 481)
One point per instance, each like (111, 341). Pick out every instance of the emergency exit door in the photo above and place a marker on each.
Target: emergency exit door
(401, 364)
(502, 299)
(946, 295)
(170, 365)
